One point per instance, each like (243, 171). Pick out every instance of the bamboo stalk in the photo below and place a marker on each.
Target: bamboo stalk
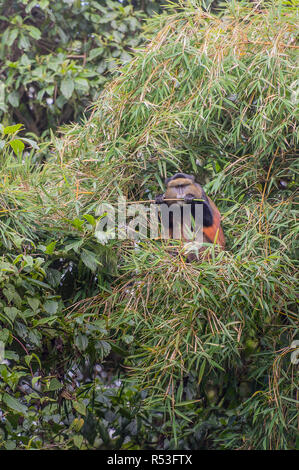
(146, 201)
(165, 200)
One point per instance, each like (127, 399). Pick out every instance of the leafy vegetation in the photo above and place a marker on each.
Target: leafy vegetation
(122, 344)
(56, 56)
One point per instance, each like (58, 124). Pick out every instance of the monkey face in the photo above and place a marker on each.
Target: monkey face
(179, 188)
(183, 189)
(181, 185)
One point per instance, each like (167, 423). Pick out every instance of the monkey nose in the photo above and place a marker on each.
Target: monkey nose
(180, 192)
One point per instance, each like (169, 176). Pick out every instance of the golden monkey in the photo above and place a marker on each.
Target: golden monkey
(184, 187)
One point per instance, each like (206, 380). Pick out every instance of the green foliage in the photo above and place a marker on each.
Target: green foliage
(55, 58)
(10, 139)
(192, 355)
(43, 350)
(212, 96)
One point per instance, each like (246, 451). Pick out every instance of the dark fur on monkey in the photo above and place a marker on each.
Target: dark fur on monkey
(182, 188)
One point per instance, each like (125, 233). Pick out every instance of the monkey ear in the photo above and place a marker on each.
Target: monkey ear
(166, 181)
(207, 214)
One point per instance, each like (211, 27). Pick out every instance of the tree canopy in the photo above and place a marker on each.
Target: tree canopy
(56, 56)
(177, 355)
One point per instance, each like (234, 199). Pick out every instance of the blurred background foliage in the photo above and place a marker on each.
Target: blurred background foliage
(56, 56)
(121, 345)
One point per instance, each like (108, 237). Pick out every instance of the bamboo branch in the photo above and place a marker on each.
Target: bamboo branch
(268, 43)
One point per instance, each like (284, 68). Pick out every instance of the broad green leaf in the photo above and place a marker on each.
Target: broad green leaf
(51, 306)
(82, 84)
(11, 312)
(90, 219)
(11, 355)
(50, 248)
(54, 385)
(14, 99)
(74, 245)
(104, 347)
(17, 145)
(10, 445)
(33, 302)
(80, 407)
(12, 129)
(34, 32)
(89, 260)
(78, 439)
(4, 334)
(45, 321)
(95, 52)
(12, 37)
(81, 341)
(14, 404)
(67, 87)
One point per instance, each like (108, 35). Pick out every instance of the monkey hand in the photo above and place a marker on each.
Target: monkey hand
(159, 199)
(189, 199)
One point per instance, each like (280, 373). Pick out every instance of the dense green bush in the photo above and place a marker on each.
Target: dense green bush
(195, 355)
(56, 56)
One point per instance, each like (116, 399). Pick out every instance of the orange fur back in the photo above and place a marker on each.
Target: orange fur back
(214, 233)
